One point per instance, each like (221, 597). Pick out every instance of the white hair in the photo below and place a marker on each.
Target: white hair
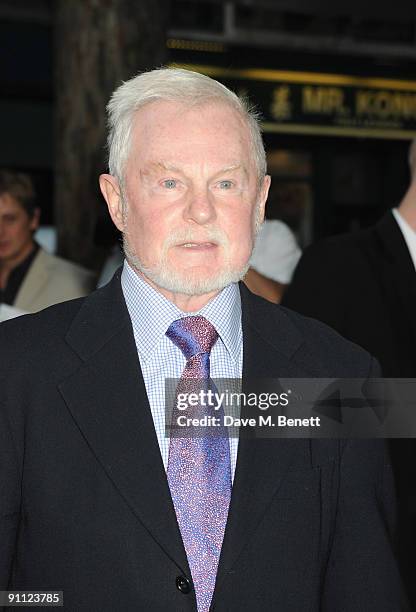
(173, 85)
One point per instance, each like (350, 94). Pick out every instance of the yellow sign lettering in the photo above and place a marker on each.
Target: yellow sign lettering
(385, 104)
(323, 100)
(281, 106)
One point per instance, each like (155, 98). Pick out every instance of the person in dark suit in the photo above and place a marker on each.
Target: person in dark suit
(96, 500)
(363, 285)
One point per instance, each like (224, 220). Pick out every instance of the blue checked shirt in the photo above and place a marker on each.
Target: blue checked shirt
(151, 315)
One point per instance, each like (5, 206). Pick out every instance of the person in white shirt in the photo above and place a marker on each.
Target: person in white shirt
(363, 284)
(273, 260)
(405, 214)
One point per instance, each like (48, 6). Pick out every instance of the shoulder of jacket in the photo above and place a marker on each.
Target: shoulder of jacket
(64, 265)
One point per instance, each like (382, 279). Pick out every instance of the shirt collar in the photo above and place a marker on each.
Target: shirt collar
(404, 226)
(409, 234)
(143, 302)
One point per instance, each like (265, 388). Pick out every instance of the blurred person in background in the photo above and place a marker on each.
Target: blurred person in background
(273, 261)
(31, 278)
(363, 285)
(114, 260)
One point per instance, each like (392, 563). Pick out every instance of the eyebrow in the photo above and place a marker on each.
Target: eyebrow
(169, 167)
(231, 169)
(172, 168)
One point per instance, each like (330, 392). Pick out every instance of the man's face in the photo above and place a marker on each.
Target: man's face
(192, 197)
(16, 229)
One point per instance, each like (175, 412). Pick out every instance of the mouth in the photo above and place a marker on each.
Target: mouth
(198, 246)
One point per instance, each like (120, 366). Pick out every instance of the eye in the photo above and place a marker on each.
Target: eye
(169, 183)
(10, 218)
(225, 184)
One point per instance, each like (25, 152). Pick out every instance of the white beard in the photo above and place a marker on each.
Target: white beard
(165, 276)
(184, 282)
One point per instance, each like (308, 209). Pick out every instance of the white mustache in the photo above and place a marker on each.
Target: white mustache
(189, 235)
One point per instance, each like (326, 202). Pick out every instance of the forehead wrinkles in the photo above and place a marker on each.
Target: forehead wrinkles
(163, 118)
(220, 137)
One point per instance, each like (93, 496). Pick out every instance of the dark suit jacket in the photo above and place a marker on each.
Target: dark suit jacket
(364, 285)
(84, 500)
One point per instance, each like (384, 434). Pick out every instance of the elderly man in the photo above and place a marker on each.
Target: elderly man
(96, 501)
(31, 278)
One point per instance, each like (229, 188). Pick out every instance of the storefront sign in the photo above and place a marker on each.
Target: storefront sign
(325, 104)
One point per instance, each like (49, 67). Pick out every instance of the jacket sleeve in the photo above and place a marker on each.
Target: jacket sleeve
(10, 470)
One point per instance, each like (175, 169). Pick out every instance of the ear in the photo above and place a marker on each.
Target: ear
(263, 193)
(34, 222)
(111, 191)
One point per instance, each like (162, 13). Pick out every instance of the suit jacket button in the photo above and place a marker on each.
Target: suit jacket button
(183, 585)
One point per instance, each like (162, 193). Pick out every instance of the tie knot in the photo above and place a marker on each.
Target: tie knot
(193, 335)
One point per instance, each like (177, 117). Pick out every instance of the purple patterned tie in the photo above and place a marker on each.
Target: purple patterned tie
(199, 472)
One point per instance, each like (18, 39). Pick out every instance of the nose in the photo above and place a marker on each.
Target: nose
(200, 208)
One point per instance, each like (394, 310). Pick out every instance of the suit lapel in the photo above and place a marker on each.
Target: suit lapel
(261, 463)
(108, 401)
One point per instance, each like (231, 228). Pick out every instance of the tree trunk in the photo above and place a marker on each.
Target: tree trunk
(98, 44)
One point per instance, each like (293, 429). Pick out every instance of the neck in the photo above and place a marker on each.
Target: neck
(185, 303)
(407, 207)
(8, 265)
